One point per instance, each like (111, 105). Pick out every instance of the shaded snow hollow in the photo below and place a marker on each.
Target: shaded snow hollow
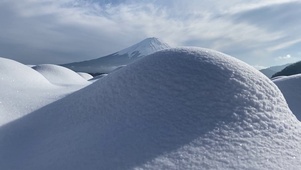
(186, 108)
(86, 76)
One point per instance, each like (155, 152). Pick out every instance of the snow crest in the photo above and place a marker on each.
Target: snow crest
(184, 108)
(59, 75)
(15, 73)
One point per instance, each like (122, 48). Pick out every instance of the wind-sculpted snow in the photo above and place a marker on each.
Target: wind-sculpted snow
(187, 108)
(59, 75)
(23, 90)
(290, 87)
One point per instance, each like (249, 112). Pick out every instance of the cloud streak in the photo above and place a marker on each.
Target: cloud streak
(74, 30)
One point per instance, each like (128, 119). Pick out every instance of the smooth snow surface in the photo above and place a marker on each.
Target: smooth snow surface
(86, 76)
(13, 72)
(59, 75)
(290, 87)
(23, 90)
(187, 108)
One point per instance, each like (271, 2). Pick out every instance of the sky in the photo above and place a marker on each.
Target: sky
(260, 32)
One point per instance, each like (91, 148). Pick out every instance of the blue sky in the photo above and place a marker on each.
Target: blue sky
(259, 32)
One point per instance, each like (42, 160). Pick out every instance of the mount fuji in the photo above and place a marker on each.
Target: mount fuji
(119, 59)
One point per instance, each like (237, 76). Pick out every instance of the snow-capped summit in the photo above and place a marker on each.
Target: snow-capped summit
(145, 47)
(119, 59)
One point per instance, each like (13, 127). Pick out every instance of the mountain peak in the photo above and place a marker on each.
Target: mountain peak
(144, 47)
(109, 63)
(152, 40)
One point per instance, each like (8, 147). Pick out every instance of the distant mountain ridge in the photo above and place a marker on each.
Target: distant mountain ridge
(292, 69)
(270, 71)
(119, 59)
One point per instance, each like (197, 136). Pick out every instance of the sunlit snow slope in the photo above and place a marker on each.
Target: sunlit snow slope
(119, 59)
(187, 108)
(59, 75)
(290, 87)
(23, 90)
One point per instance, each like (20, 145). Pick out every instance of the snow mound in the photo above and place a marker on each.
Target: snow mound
(23, 90)
(86, 76)
(59, 75)
(290, 87)
(186, 108)
(16, 74)
(15, 78)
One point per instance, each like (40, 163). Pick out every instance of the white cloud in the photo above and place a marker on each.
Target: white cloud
(286, 57)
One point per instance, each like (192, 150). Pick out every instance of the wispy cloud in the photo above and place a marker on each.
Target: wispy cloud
(74, 30)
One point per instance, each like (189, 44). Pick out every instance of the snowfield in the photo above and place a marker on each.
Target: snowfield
(290, 87)
(182, 108)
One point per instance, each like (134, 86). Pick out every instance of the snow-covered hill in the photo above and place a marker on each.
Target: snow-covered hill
(290, 87)
(59, 75)
(119, 59)
(23, 90)
(187, 108)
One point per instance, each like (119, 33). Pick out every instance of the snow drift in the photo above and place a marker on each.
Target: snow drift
(59, 75)
(187, 108)
(290, 87)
